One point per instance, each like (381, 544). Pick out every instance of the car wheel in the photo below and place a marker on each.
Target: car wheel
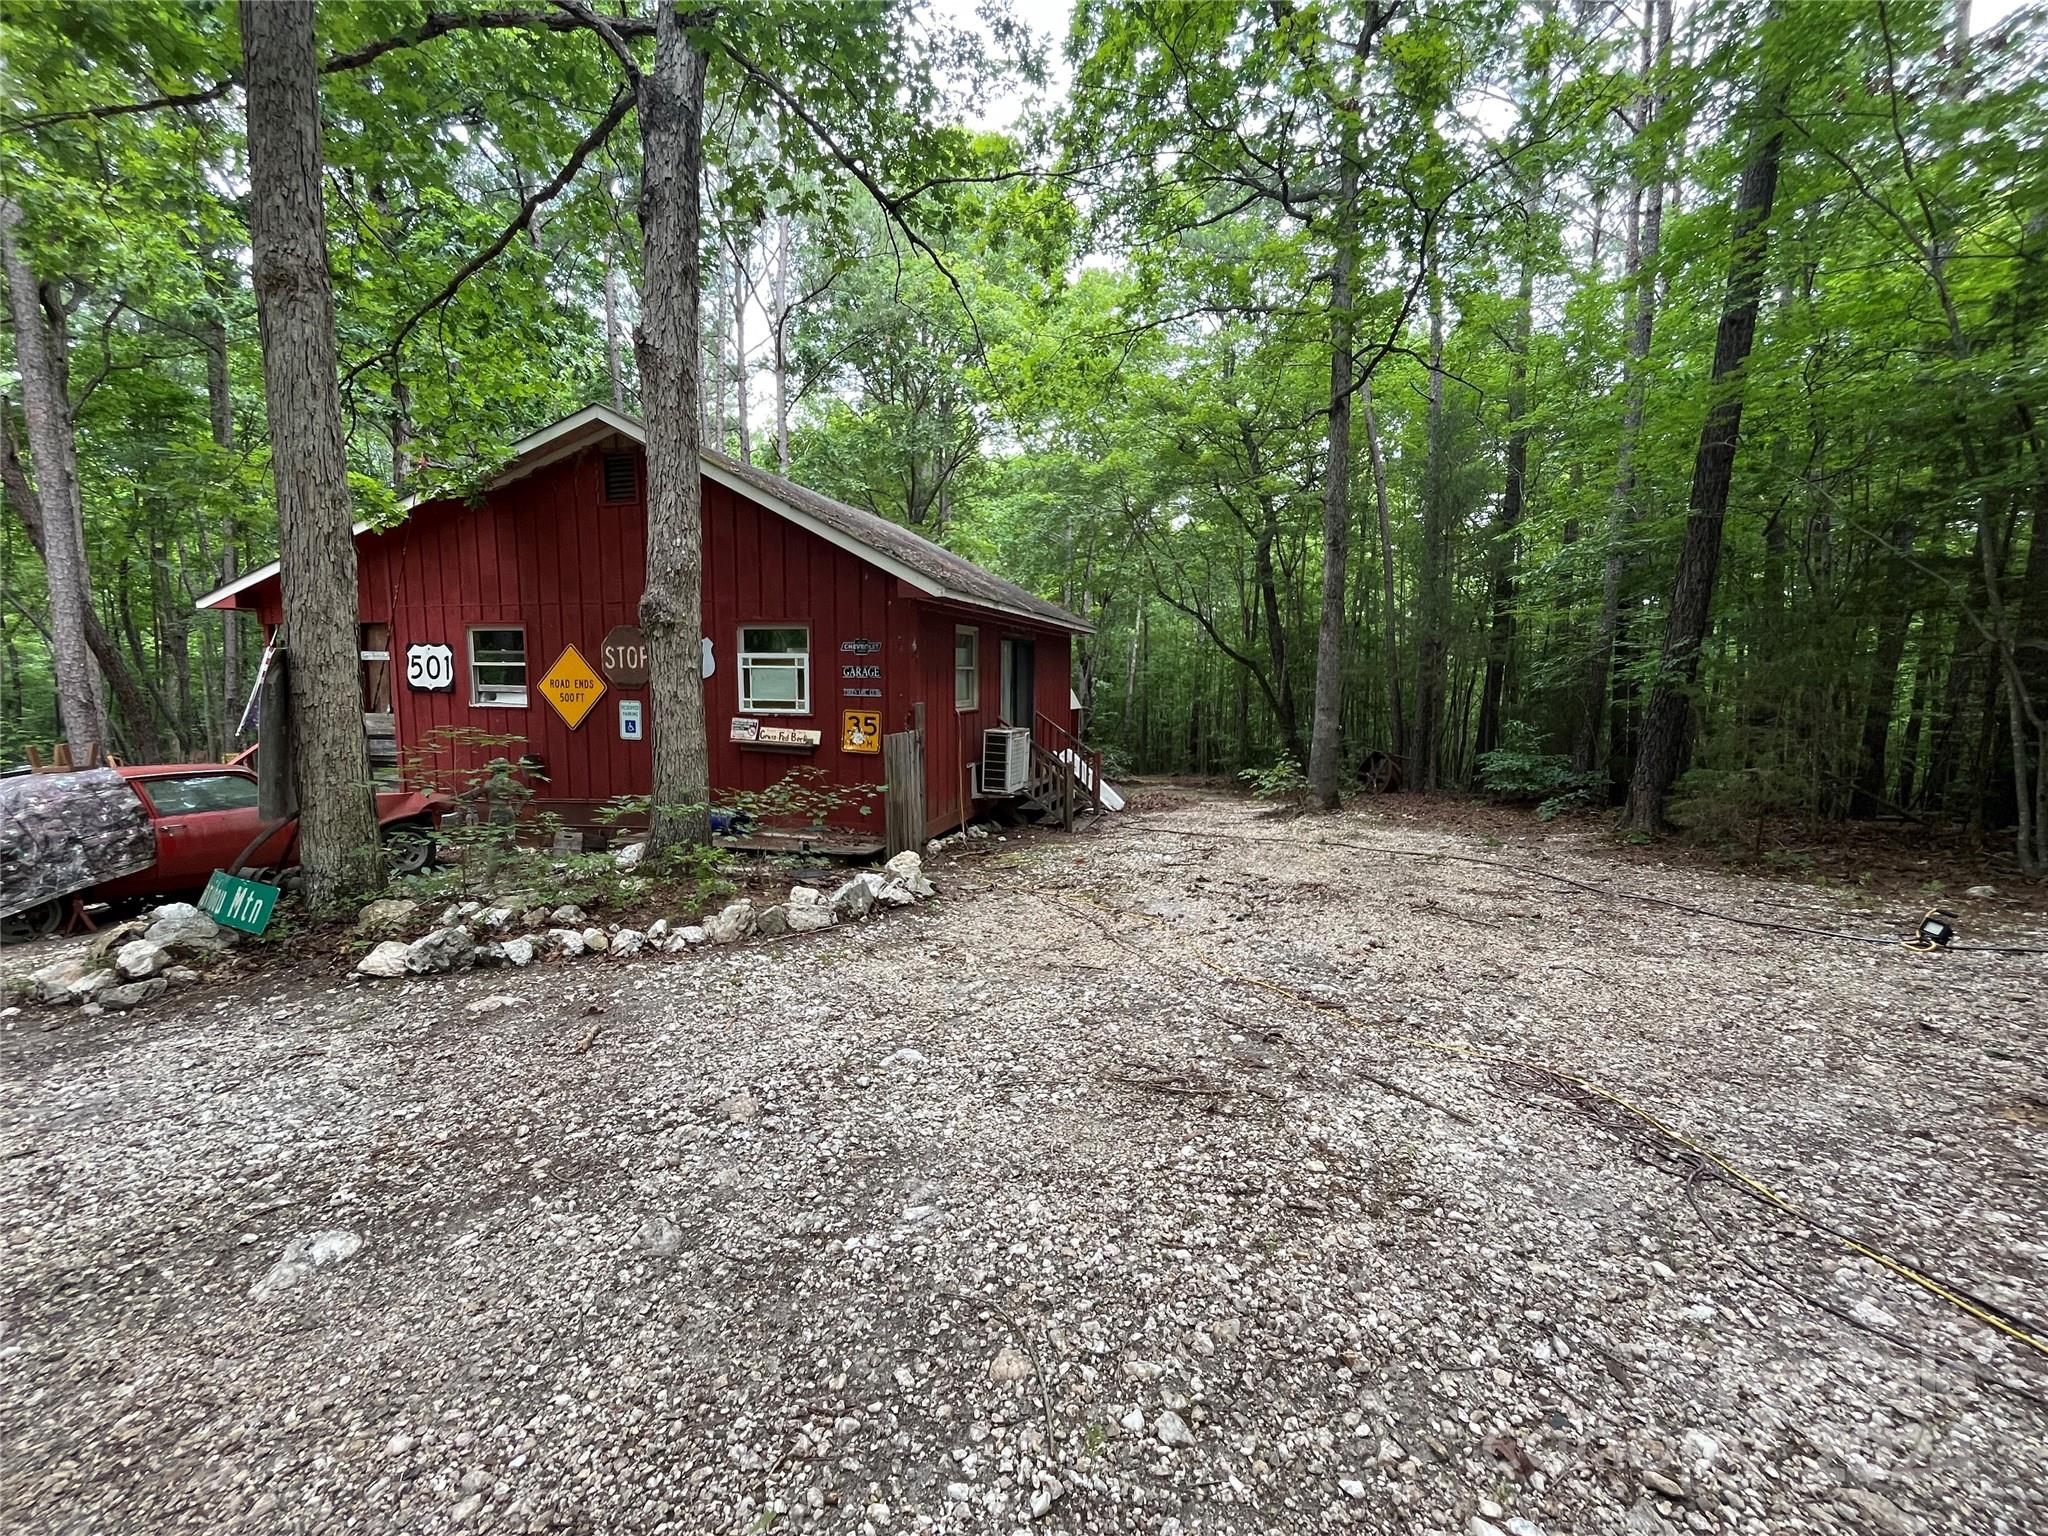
(408, 847)
(37, 922)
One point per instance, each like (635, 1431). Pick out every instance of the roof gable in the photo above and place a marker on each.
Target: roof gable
(929, 567)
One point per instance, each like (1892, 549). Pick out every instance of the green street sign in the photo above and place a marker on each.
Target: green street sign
(237, 903)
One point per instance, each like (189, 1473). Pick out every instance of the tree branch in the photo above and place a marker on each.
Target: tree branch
(437, 24)
(606, 29)
(892, 207)
(622, 103)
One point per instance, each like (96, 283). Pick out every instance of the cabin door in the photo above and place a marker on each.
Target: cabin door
(1020, 682)
(379, 723)
(375, 651)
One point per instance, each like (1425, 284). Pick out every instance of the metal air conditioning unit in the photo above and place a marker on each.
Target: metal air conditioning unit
(1005, 760)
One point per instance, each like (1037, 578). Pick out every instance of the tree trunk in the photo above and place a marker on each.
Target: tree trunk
(1667, 722)
(2030, 786)
(1867, 793)
(138, 717)
(401, 433)
(1453, 737)
(1937, 790)
(1645, 233)
(711, 349)
(316, 546)
(1326, 749)
(220, 412)
(1280, 690)
(1426, 771)
(1909, 748)
(79, 699)
(782, 343)
(1500, 642)
(1397, 719)
(671, 104)
(10, 681)
(1130, 722)
(1244, 689)
(174, 636)
(739, 359)
(1142, 667)
(614, 338)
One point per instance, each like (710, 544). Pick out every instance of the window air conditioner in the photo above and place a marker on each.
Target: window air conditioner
(1005, 760)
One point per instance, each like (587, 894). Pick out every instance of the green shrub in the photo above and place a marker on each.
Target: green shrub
(803, 799)
(1283, 780)
(1729, 807)
(1520, 770)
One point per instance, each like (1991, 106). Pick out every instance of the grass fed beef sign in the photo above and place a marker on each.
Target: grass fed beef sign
(752, 733)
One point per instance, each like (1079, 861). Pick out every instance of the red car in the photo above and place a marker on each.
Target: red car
(203, 817)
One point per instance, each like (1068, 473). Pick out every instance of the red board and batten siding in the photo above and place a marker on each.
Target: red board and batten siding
(953, 735)
(547, 554)
(761, 569)
(543, 554)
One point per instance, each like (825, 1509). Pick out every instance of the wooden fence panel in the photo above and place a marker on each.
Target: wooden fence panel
(903, 764)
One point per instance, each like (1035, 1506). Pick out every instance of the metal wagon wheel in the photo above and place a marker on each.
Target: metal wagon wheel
(1380, 773)
(36, 922)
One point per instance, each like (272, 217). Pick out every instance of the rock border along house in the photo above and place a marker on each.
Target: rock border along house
(831, 637)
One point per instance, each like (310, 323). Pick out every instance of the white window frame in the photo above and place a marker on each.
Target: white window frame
(476, 686)
(971, 672)
(749, 658)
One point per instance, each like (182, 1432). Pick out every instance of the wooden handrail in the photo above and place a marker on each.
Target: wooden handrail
(1060, 740)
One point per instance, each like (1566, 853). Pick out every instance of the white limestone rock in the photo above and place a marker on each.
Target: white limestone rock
(392, 915)
(180, 925)
(731, 925)
(907, 870)
(810, 919)
(301, 1257)
(445, 949)
(856, 898)
(54, 982)
(387, 960)
(139, 959)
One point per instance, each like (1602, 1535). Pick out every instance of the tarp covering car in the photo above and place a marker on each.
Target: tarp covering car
(66, 832)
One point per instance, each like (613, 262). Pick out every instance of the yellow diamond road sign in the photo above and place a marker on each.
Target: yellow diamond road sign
(572, 686)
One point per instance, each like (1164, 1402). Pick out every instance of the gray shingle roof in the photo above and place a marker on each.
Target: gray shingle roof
(957, 580)
(962, 579)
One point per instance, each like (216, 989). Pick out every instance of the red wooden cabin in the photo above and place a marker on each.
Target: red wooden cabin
(818, 618)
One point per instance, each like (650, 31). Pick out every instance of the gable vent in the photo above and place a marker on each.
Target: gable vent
(621, 476)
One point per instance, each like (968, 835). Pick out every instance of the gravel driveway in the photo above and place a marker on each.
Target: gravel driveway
(1025, 1210)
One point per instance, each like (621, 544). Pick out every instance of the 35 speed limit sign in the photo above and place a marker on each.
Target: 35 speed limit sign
(863, 732)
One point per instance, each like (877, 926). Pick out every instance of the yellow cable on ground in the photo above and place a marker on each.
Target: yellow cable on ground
(1983, 1312)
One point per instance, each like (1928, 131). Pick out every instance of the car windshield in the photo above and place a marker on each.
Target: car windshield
(183, 794)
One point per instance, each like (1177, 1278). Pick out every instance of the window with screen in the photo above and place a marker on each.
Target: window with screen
(188, 794)
(497, 668)
(775, 671)
(966, 667)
